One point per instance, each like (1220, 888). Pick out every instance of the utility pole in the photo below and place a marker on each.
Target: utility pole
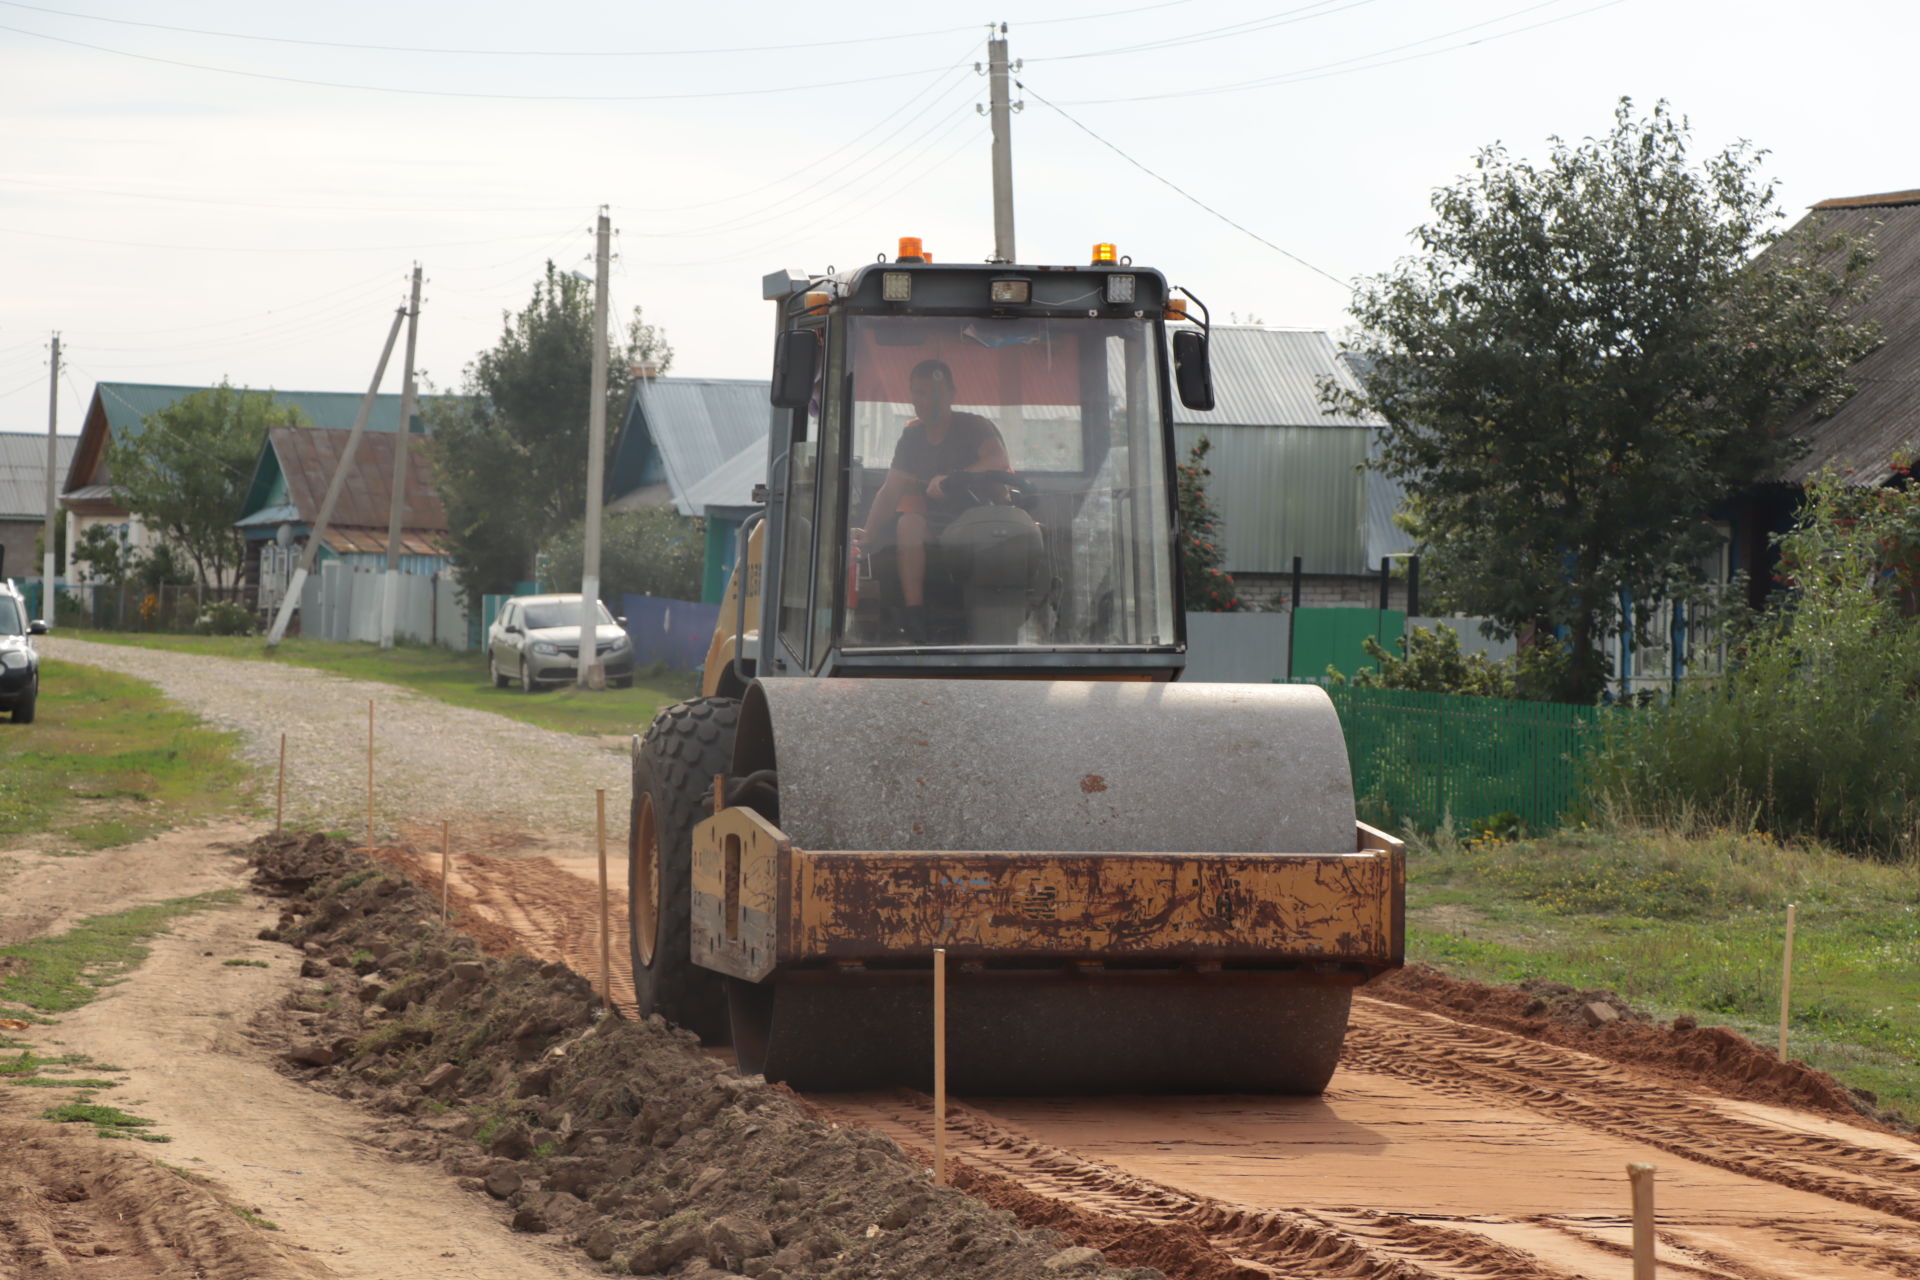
(403, 444)
(53, 483)
(1000, 112)
(588, 670)
(318, 533)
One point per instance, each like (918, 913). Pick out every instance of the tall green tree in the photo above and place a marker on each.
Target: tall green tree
(510, 456)
(1584, 357)
(1207, 587)
(185, 473)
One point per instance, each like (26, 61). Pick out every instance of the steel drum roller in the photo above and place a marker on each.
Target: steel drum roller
(1067, 766)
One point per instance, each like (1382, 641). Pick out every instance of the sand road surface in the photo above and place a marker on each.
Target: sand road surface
(1442, 1149)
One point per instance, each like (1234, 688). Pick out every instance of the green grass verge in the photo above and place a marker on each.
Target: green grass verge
(1693, 924)
(53, 975)
(457, 678)
(109, 761)
(108, 1122)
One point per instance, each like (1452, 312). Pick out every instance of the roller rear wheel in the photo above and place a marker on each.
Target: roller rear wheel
(673, 768)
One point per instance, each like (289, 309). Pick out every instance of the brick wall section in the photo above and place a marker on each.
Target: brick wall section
(1274, 591)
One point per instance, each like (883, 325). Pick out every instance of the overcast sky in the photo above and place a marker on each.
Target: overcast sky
(192, 189)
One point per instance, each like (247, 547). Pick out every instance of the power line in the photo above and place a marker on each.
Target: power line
(411, 91)
(303, 248)
(1111, 13)
(1344, 66)
(783, 47)
(1284, 18)
(1184, 193)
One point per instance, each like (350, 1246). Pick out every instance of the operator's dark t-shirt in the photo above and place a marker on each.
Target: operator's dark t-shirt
(958, 449)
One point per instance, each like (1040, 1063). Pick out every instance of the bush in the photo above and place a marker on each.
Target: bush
(652, 551)
(226, 619)
(1429, 661)
(1814, 731)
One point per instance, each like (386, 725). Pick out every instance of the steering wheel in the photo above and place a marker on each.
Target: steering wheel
(978, 488)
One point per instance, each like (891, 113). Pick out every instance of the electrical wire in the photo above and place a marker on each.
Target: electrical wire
(35, 381)
(1284, 18)
(233, 248)
(1101, 17)
(410, 91)
(1182, 191)
(1327, 70)
(358, 285)
(784, 47)
(750, 220)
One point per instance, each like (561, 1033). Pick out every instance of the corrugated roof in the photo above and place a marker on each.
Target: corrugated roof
(730, 485)
(120, 408)
(698, 424)
(307, 457)
(23, 472)
(1883, 416)
(1269, 378)
(347, 541)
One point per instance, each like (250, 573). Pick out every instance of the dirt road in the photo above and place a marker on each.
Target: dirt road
(176, 1034)
(1442, 1149)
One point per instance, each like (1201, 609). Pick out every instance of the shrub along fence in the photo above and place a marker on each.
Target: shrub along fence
(1438, 759)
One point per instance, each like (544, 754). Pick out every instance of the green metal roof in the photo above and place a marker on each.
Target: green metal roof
(128, 403)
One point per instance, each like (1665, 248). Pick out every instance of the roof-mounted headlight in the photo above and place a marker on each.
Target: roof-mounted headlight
(1010, 291)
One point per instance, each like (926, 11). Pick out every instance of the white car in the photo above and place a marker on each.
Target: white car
(536, 640)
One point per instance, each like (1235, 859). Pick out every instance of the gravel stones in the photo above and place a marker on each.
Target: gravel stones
(431, 760)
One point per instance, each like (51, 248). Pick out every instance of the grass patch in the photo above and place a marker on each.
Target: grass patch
(108, 1122)
(65, 1082)
(253, 1219)
(1692, 923)
(53, 975)
(245, 964)
(109, 761)
(457, 678)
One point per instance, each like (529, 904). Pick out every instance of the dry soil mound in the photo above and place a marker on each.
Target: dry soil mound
(623, 1137)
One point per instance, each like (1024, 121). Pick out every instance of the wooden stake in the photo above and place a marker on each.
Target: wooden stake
(719, 792)
(1786, 981)
(280, 790)
(940, 1066)
(1641, 1176)
(369, 774)
(606, 947)
(446, 865)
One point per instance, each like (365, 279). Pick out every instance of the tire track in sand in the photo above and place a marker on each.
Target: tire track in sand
(1281, 1243)
(1454, 1058)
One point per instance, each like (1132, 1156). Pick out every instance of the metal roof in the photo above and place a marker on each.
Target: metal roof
(696, 425)
(1270, 378)
(307, 457)
(23, 472)
(121, 409)
(1883, 416)
(729, 487)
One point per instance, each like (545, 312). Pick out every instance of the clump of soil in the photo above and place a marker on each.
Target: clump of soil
(622, 1137)
(1714, 1058)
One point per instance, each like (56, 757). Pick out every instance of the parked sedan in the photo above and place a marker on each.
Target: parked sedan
(536, 640)
(19, 663)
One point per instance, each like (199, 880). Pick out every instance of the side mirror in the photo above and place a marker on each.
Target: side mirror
(1192, 373)
(37, 627)
(621, 620)
(796, 359)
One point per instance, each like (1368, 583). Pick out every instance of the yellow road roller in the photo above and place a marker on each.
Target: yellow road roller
(942, 709)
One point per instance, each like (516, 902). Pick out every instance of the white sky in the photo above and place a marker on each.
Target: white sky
(179, 224)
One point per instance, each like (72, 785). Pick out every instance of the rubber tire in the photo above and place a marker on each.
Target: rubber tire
(493, 670)
(687, 744)
(526, 677)
(23, 711)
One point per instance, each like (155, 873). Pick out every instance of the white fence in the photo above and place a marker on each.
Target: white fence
(343, 603)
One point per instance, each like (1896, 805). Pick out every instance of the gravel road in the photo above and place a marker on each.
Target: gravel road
(431, 760)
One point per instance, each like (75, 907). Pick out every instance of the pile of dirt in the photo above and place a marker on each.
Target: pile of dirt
(1601, 1023)
(624, 1138)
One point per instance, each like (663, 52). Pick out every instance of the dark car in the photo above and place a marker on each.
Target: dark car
(19, 663)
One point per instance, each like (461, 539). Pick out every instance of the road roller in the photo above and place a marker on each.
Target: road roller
(942, 710)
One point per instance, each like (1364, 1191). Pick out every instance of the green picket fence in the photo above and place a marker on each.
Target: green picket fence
(1430, 759)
